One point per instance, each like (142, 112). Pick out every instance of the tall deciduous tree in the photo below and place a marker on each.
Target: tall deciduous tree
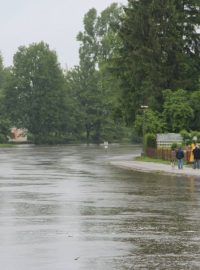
(36, 93)
(98, 88)
(161, 50)
(83, 88)
(109, 45)
(88, 92)
(5, 124)
(195, 105)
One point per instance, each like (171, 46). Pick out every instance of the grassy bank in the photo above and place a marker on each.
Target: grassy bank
(159, 161)
(7, 145)
(155, 160)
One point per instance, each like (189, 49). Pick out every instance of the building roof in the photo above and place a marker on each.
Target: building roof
(169, 137)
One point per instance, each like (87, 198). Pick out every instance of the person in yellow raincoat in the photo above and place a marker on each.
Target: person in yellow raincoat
(191, 159)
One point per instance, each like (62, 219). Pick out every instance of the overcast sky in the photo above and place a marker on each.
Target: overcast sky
(56, 22)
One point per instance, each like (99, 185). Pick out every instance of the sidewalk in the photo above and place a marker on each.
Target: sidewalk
(155, 168)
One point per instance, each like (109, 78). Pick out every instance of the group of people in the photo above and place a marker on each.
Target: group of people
(179, 155)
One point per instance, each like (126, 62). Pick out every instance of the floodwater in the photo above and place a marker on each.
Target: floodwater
(67, 208)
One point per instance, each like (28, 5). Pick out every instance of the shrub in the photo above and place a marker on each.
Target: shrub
(174, 146)
(150, 140)
(3, 138)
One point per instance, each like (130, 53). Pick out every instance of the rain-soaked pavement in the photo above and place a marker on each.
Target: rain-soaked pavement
(67, 208)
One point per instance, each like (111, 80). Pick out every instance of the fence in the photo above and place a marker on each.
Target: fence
(165, 154)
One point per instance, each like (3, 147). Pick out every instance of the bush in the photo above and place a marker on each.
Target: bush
(186, 136)
(174, 146)
(3, 138)
(150, 140)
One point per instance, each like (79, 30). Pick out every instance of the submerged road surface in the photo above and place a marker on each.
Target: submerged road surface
(67, 208)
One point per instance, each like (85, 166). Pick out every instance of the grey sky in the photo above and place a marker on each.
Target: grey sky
(56, 22)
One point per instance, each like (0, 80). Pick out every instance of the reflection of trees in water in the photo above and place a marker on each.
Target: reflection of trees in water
(173, 229)
(192, 185)
(127, 220)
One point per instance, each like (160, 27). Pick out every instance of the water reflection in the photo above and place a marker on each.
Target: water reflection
(67, 208)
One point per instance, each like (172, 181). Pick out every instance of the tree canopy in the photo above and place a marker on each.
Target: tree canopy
(145, 53)
(161, 50)
(36, 93)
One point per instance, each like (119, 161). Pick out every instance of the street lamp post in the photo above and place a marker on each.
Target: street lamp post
(144, 108)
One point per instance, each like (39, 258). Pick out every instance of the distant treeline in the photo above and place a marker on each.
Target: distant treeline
(143, 55)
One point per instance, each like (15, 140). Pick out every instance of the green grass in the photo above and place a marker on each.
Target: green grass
(6, 145)
(160, 161)
(155, 160)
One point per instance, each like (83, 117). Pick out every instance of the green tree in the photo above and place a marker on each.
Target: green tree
(107, 32)
(109, 45)
(4, 74)
(93, 83)
(5, 124)
(88, 92)
(88, 103)
(195, 104)
(5, 128)
(99, 89)
(36, 92)
(177, 113)
(149, 121)
(161, 50)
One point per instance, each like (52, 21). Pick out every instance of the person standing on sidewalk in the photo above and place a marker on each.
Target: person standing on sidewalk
(173, 158)
(180, 156)
(191, 159)
(196, 153)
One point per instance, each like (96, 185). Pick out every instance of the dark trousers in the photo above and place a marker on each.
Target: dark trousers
(196, 163)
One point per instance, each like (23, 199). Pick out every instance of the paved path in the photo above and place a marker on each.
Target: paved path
(155, 168)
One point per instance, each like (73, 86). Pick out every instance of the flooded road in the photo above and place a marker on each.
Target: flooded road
(67, 208)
